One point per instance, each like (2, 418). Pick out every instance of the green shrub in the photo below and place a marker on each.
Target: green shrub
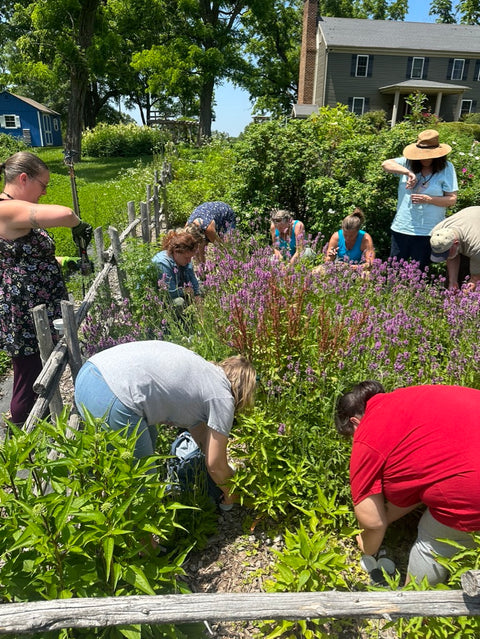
(375, 120)
(109, 140)
(201, 175)
(10, 145)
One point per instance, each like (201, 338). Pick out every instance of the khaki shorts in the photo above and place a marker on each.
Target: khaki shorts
(421, 562)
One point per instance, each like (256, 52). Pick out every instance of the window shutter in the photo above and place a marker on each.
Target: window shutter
(409, 67)
(474, 106)
(465, 70)
(350, 104)
(370, 66)
(450, 69)
(17, 121)
(354, 64)
(366, 105)
(425, 68)
(476, 75)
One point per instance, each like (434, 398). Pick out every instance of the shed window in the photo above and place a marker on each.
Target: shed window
(10, 121)
(457, 69)
(417, 68)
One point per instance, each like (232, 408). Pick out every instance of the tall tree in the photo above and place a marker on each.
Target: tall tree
(443, 9)
(470, 11)
(373, 9)
(58, 34)
(203, 48)
(273, 39)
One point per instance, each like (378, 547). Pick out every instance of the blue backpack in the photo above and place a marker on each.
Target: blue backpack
(187, 471)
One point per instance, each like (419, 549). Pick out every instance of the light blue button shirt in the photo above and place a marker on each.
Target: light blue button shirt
(419, 219)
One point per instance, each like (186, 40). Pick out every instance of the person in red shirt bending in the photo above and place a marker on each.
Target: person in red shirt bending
(415, 445)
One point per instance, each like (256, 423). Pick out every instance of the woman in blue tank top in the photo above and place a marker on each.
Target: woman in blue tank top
(350, 244)
(287, 235)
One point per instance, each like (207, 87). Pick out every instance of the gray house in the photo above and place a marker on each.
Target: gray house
(376, 64)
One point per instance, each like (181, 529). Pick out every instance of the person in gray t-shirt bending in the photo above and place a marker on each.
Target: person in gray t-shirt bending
(154, 382)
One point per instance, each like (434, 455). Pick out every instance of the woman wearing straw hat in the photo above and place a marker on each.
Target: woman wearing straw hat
(428, 186)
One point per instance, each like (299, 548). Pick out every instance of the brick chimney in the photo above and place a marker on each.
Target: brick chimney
(308, 52)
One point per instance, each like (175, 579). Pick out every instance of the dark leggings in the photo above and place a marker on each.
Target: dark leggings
(411, 247)
(26, 369)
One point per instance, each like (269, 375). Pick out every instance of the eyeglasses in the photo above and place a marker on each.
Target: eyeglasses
(42, 184)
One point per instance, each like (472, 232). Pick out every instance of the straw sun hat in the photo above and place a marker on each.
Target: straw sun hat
(426, 147)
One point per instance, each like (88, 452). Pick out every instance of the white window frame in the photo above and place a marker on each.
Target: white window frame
(419, 74)
(367, 58)
(55, 124)
(13, 121)
(362, 101)
(476, 77)
(463, 110)
(457, 69)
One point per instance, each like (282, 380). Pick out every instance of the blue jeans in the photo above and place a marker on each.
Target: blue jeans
(93, 394)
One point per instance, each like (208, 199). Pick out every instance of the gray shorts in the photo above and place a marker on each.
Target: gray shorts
(421, 562)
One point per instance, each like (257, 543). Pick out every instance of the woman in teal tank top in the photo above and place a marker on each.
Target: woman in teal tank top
(350, 244)
(288, 236)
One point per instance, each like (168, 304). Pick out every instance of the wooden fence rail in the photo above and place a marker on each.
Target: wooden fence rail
(118, 611)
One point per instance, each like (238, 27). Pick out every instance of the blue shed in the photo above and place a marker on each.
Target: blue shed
(25, 118)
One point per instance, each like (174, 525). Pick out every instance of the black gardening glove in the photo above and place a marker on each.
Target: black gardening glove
(82, 235)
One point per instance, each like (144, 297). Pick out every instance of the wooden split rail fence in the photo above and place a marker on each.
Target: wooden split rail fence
(56, 614)
(43, 616)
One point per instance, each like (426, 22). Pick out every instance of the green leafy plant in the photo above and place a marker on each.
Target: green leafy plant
(314, 559)
(420, 113)
(80, 524)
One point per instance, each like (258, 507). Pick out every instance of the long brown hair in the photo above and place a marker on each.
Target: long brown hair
(243, 380)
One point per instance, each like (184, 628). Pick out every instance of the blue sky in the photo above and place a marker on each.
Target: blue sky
(233, 109)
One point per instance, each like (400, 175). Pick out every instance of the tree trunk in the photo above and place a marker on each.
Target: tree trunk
(79, 77)
(206, 99)
(78, 90)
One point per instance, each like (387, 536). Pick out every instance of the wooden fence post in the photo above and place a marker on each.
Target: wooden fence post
(131, 215)
(145, 218)
(165, 178)
(71, 338)
(45, 343)
(156, 211)
(100, 245)
(117, 252)
(149, 198)
(470, 581)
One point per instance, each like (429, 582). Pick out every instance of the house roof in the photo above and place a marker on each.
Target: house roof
(34, 103)
(304, 110)
(418, 37)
